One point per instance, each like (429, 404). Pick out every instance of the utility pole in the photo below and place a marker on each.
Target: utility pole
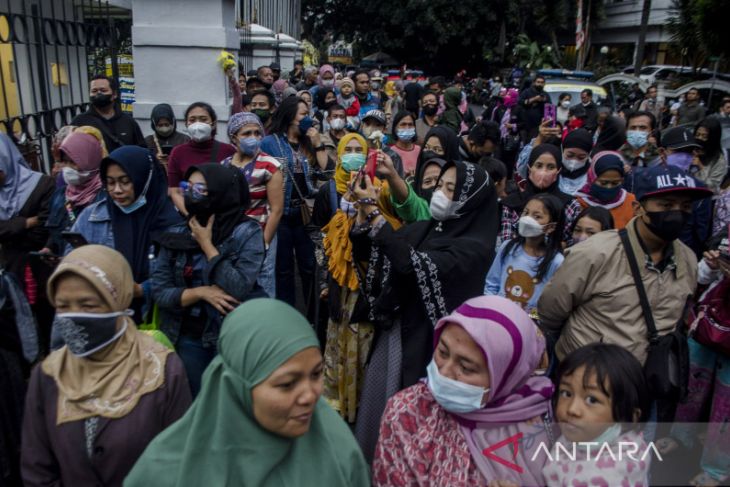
(642, 37)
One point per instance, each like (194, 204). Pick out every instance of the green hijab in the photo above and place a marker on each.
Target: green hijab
(219, 442)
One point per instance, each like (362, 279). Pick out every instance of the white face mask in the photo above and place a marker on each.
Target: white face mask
(347, 207)
(74, 177)
(328, 83)
(529, 227)
(199, 131)
(453, 395)
(442, 208)
(573, 164)
(565, 104)
(337, 124)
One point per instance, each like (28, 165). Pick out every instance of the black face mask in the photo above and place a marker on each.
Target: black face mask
(429, 154)
(101, 101)
(330, 104)
(267, 85)
(667, 225)
(263, 114)
(426, 194)
(430, 110)
(539, 88)
(199, 207)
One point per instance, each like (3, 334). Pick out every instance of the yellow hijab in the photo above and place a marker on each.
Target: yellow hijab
(133, 366)
(342, 177)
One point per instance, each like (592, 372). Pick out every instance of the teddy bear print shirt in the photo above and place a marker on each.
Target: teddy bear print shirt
(513, 276)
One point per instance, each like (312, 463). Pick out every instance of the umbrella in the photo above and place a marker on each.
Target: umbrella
(380, 58)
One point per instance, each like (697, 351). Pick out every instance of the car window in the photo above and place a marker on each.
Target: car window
(648, 70)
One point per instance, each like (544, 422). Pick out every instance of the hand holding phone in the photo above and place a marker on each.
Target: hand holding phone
(74, 239)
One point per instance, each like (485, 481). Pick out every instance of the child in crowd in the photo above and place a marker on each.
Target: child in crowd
(524, 264)
(590, 221)
(350, 103)
(601, 398)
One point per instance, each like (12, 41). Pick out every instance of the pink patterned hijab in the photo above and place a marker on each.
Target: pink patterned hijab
(86, 151)
(513, 349)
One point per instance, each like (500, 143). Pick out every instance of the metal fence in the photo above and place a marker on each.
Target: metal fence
(44, 64)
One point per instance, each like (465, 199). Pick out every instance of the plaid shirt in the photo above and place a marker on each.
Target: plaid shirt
(508, 228)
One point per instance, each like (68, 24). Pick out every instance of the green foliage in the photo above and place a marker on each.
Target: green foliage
(699, 29)
(531, 55)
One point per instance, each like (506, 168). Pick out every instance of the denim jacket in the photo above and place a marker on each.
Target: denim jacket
(277, 146)
(235, 270)
(59, 221)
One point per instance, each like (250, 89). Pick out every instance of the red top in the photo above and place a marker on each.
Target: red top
(191, 153)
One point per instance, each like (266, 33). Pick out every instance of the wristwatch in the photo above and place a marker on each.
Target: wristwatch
(319, 148)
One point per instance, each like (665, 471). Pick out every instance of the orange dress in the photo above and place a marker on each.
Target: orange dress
(621, 214)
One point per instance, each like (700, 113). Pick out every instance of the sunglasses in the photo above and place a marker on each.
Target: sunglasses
(197, 190)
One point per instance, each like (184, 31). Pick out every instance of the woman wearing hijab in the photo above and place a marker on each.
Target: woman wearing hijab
(81, 155)
(325, 98)
(349, 331)
(134, 214)
(481, 389)
(265, 185)
(25, 197)
(326, 79)
(544, 167)
(165, 135)
(208, 265)
(604, 188)
(415, 276)
(712, 159)
(452, 116)
(95, 404)
(576, 147)
(611, 135)
(411, 201)
(259, 419)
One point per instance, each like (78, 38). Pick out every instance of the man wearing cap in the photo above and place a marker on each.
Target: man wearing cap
(276, 70)
(374, 121)
(592, 296)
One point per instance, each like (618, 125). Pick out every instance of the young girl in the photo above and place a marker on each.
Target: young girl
(526, 263)
(590, 221)
(601, 398)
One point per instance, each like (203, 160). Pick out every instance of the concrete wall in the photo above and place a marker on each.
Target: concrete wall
(176, 45)
(623, 19)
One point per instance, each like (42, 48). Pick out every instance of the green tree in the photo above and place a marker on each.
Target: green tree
(699, 29)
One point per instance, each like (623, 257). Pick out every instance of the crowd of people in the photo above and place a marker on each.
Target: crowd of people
(364, 282)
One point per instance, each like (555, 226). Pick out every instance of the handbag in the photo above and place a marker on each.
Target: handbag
(667, 362)
(711, 327)
(307, 207)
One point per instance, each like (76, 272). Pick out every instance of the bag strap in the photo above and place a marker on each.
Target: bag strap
(643, 300)
(214, 152)
(105, 131)
(287, 169)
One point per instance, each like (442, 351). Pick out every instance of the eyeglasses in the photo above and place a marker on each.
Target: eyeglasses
(196, 190)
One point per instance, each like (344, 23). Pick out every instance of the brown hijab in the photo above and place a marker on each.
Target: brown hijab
(133, 366)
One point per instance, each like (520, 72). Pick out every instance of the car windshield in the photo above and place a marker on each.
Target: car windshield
(648, 70)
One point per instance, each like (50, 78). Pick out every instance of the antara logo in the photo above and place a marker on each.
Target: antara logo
(514, 440)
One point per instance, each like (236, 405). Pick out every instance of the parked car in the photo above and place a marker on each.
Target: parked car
(559, 81)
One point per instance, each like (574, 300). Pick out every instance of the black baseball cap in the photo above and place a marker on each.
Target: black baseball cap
(662, 179)
(678, 138)
(275, 66)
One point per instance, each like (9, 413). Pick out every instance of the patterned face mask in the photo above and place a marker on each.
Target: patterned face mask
(87, 333)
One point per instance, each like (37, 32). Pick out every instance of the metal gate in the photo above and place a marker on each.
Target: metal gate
(47, 50)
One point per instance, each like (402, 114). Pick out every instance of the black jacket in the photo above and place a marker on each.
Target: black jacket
(119, 130)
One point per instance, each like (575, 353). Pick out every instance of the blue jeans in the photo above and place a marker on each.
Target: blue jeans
(267, 276)
(195, 358)
(293, 240)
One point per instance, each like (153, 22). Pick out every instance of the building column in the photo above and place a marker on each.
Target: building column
(175, 47)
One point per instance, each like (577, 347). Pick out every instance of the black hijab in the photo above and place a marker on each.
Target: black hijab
(162, 110)
(228, 199)
(516, 201)
(612, 135)
(135, 232)
(319, 99)
(413, 92)
(449, 141)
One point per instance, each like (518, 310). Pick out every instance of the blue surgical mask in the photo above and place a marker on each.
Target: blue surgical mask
(637, 138)
(139, 203)
(305, 124)
(681, 160)
(453, 395)
(352, 161)
(604, 195)
(249, 146)
(406, 135)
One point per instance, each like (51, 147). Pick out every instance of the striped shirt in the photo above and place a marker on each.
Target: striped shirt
(264, 167)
